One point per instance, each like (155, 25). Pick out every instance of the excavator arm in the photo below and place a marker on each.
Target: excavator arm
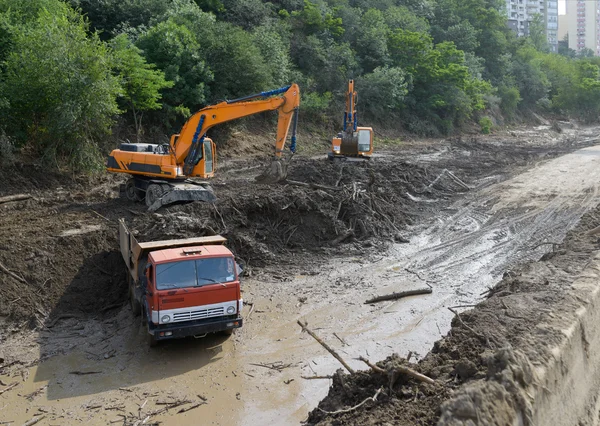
(159, 172)
(187, 145)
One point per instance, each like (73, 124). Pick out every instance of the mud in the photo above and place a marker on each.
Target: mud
(68, 310)
(498, 343)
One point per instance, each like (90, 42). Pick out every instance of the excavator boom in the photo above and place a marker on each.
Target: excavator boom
(159, 171)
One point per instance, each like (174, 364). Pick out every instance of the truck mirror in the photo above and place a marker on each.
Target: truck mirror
(238, 269)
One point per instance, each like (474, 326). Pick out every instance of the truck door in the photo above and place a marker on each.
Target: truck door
(148, 287)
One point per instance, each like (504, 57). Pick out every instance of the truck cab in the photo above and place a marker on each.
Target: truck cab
(186, 287)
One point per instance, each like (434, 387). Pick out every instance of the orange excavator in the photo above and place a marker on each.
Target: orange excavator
(353, 143)
(160, 173)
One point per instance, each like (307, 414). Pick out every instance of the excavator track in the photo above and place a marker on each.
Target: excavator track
(156, 194)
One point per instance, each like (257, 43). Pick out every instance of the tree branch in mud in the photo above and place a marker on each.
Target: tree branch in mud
(17, 197)
(326, 346)
(313, 185)
(12, 385)
(316, 377)
(403, 370)
(12, 274)
(347, 410)
(481, 336)
(34, 420)
(394, 296)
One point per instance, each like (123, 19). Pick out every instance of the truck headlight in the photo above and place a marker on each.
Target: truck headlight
(231, 310)
(165, 318)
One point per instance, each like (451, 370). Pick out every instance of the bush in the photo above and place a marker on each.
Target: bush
(486, 124)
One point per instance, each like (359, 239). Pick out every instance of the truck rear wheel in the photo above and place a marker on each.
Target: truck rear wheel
(136, 308)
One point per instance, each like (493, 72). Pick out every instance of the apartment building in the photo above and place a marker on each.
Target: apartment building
(522, 12)
(583, 18)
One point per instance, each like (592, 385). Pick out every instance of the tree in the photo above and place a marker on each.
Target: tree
(537, 33)
(141, 82)
(175, 51)
(371, 40)
(382, 93)
(58, 83)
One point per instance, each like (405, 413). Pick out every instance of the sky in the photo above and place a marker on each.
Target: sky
(562, 7)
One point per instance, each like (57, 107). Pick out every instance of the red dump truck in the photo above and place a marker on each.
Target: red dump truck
(183, 287)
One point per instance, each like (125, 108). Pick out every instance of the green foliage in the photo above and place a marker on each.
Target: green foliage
(486, 124)
(382, 92)
(174, 50)
(57, 82)
(141, 82)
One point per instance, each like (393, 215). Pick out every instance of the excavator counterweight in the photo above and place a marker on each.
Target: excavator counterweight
(161, 174)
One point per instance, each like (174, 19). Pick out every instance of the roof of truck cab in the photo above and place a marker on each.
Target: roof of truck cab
(179, 253)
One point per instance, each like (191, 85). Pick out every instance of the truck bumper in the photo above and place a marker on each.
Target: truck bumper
(194, 328)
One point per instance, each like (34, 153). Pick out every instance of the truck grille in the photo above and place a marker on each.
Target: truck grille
(198, 314)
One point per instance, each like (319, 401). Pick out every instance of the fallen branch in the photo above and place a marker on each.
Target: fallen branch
(105, 218)
(34, 420)
(12, 274)
(341, 340)
(342, 237)
(394, 296)
(316, 377)
(481, 336)
(12, 385)
(191, 407)
(83, 373)
(17, 197)
(347, 410)
(313, 185)
(322, 343)
(404, 370)
(274, 366)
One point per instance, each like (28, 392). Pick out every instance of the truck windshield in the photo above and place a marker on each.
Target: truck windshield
(195, 273)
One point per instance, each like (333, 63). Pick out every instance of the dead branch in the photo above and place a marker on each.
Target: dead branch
(313, 185)
(274, 366)
(17, 197)
(394, 296)
(103, 217)
(342, 237)
(33, 394)
(316, 377)
(481, 336)
(341, 340)
(191, 407)
(404, 370)
(83, 373)
(12, 385)
(12, 274)
(322, 343)
(34, 420)
(251, 309)
(347, 410)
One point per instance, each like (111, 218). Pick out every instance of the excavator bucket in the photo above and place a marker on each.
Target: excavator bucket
(274, 173)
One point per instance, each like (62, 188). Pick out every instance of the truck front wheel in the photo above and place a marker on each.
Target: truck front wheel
(150, 339)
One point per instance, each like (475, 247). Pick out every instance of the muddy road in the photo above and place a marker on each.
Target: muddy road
(475, 226)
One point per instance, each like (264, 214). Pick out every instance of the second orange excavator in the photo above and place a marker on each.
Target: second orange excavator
(160, 173)
(353, 143)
